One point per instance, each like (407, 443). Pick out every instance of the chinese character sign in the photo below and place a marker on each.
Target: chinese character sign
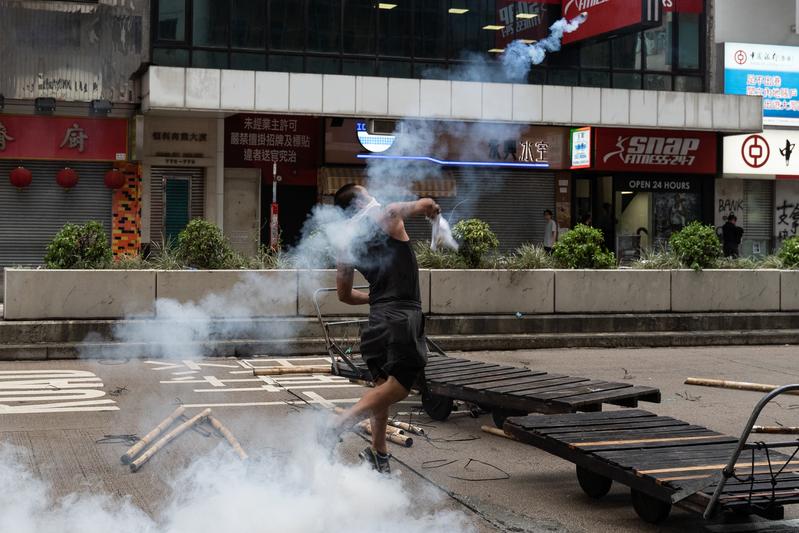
(260, 140)
(786, 210)
(68, 138)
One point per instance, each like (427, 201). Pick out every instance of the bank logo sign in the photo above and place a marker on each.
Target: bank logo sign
(768, 153)
(768, 71)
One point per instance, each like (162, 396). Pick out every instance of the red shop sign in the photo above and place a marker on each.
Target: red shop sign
(63, 138)
(611, 16)
(684, 6)
(260, 140)
(524, 20)
(689, 152)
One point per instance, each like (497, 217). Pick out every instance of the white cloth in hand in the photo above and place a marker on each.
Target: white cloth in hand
(442, 234)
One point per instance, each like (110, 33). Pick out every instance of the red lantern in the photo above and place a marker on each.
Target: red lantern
(114, 179)
(67, 178)
(20, 177)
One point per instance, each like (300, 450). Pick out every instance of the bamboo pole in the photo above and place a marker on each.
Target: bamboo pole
(166, 439)
(234, 443)
(284, 370)
(735, 385)
(416, 430)
(776, 430)
(496, 431)
(137, 448)
(396, 438)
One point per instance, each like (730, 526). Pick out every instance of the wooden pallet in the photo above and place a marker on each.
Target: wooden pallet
(520, 389)
(667, 459)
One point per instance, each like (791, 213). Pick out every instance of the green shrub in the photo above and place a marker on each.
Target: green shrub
(657, 259)
(697, 245)
(76, 246)
(202, 244)
(583, 247)
(527, 257)
(440, 259)
(789, 253)
(476, 240)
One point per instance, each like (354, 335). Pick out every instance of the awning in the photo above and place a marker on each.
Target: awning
(332, 179)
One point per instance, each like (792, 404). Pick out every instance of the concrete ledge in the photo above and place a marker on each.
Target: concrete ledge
(725, 290)
(612, 291)
(492, 291)
(42, 294)
(789, 290)
(231, 293)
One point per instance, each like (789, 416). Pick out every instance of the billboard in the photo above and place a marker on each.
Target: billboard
(611, 16)
(768, 153)
(684, 152)
(769, 71)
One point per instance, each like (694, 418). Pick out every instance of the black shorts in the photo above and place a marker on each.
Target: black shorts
(393, 343)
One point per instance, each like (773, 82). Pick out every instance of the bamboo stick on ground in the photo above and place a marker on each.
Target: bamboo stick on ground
(137, 448)
(396, 438)
(166, 439)
(776, 430)
(285, 370)
(735, 385)
(234, 443)
(416, 430)
(496, 431)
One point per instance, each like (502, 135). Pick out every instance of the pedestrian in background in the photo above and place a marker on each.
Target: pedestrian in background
(550, 231)
(731, 236)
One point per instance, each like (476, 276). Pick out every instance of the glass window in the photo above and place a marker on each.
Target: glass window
(322, 65)
(287, 24)
(431, 71)
(242, 61)
(594, 78)
(248, 23)
(688, 40)
(626, 51)
(657, 82)
(208, 59)
(171, 20)
(210, 27)
(595, 55)
(358, 67)
(170, 57)
(324, 25)
(394, 69)
(657, 45)
(360, 23)
(285, 63)
(395, 30)
(538, 76)
(690, 84)
(566, 57)
(559, 76)
(625, 80)
(466, 29)
(429, 28)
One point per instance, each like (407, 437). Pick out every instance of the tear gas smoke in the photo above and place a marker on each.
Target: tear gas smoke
(300, 489)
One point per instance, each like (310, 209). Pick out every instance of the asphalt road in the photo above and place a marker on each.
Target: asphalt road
(60, 433)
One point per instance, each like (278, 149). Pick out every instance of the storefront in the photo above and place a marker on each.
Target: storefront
(640, 186)
(760, 184)
(55, 170)
(503, 174)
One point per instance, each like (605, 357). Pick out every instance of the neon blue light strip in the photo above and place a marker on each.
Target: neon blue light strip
(455, 163)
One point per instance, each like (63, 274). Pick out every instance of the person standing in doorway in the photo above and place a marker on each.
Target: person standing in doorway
(550, 231)
(731, 236)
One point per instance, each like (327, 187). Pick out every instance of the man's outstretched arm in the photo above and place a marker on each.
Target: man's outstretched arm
(424, 206)
(345, 275)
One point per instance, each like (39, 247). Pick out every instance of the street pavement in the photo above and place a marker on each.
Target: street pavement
(62, 434)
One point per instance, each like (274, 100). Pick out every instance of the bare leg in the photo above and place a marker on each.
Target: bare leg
(374, 403)
(379, 421)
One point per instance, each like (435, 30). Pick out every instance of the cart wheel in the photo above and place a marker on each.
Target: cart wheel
(437, 407)
(650, 509)
(499, 415)
(593, 484)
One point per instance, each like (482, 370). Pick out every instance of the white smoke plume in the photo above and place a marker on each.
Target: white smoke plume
(298, 488)
(518, 57)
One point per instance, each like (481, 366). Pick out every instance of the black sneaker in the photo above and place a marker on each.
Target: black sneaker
(376, 460)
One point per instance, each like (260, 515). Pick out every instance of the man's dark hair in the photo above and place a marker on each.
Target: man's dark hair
(548, 212)
(732, 217)
(345, 195)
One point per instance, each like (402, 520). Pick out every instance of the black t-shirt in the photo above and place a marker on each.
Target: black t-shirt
(391, 269)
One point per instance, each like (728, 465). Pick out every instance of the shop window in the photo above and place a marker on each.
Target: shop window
(360, 23)
(171, 20)
(324, 25)
(285, 63)
(170, 57)
(429, 24)
(287, 24)
(323, 65)
(626, 80)
(210, 23)
(358, 67)
(566, 57)
(209, 59)
(657, 82)
(626, 51)
(595, 55)
(394, 69)
(563, 77)
(657, 45)
(594, 78)
(688, 38)
(537, 76)
(394, 29)
(248, 23)
(247, 61)
(691, 84)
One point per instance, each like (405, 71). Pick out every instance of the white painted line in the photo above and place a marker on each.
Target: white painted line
(277, 388)
(214, 381)
(41, 374)
(287, 402)
(319, 399)
(188, 380)
(191, 365)
(183, 373)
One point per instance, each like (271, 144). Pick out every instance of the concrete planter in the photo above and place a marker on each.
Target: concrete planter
(725, 290)
(44, 294)
(612, 291)
(232, 293)
(492, 291)
(789, 290)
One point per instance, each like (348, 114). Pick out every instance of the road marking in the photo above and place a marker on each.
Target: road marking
(276, 388)
(286, 402)
(52, 391)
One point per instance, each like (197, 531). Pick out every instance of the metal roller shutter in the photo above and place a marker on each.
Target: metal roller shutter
(196, 197)
(30, 218)
(758, 202)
